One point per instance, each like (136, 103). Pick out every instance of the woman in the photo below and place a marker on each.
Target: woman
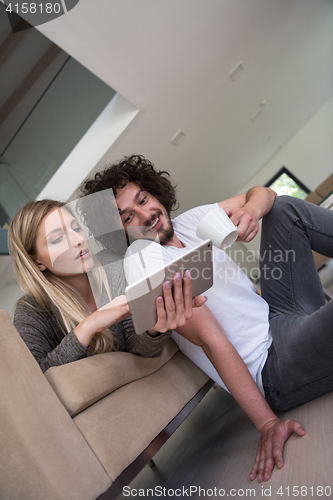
(74, 308)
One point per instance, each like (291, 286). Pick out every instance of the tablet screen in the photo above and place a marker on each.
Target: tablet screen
(142, 294)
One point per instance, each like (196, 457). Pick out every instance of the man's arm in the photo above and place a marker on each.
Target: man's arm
(245, 210)
(203, 329)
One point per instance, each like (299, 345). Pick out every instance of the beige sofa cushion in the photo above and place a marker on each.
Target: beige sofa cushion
(81, 383)
(120, 426)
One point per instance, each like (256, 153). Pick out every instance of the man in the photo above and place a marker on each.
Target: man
(294, 306)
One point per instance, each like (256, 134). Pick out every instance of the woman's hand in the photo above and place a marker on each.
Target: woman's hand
(273, 436)
(113, 312)
(175, 307)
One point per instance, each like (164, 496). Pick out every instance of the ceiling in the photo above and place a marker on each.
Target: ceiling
(172, 59)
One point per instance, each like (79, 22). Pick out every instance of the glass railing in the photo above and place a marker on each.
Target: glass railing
(62, 115)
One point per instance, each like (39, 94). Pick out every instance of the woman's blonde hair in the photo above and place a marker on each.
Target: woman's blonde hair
(50, 291)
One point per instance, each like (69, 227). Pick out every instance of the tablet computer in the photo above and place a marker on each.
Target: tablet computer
(142, 294)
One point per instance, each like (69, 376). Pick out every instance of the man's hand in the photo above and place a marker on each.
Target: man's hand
(273, 436)
(245, 210)
(246, 221)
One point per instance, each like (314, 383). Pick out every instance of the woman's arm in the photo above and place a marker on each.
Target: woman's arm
(44, 336)
(105, 317)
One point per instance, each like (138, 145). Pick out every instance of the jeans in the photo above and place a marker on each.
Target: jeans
(299, 365)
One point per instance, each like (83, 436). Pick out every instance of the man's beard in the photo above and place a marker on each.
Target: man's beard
(164, 235)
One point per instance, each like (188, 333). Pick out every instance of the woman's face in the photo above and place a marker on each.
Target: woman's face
(62, 246)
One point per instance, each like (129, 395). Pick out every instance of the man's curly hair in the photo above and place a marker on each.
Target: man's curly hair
(136, 169)
(140, 171)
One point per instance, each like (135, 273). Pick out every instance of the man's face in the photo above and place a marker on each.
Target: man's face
(142, 215)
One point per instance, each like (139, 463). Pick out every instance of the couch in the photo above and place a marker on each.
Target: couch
(83, 430)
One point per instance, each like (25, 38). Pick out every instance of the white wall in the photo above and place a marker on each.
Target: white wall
(308, 155)
(174, 63)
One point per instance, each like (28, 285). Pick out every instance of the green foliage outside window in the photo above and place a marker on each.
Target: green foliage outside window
(286, 185)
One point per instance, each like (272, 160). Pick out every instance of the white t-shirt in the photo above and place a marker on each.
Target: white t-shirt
(232, 299)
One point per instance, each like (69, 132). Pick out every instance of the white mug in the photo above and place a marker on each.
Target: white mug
(217, 226)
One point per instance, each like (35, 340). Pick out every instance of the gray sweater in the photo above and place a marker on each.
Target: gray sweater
(46, 337)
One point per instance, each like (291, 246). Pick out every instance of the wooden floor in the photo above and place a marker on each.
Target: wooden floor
(215, 448)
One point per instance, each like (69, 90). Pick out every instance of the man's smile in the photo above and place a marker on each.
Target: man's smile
(156, 224)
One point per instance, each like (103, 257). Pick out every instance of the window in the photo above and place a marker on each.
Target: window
(284, 182)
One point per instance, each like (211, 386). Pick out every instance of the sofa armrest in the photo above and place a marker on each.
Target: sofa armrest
(82, 383)
(43, 454)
